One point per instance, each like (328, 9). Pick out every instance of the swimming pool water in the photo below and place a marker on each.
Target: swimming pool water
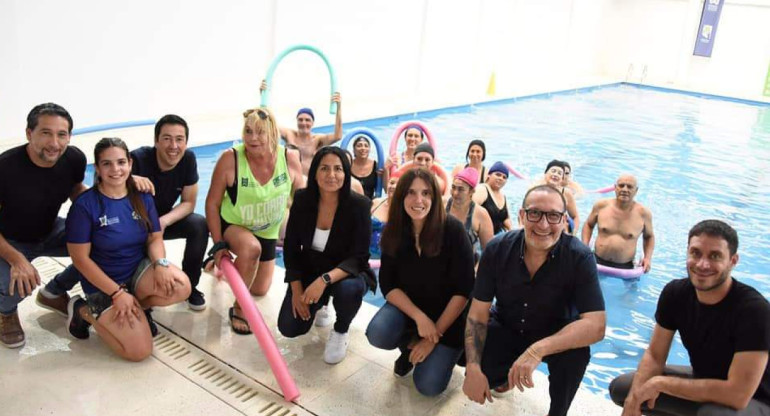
(694, 157)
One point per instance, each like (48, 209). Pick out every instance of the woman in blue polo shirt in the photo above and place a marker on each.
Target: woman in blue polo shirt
(114, 239)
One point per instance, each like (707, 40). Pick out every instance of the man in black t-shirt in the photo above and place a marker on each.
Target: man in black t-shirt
(549, 306)
(35, 180)
(725, 327)
(169, 170)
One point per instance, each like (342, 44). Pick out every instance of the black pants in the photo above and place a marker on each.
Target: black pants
(565, 369)
(194, 230)
(667, 405)
(347, 296)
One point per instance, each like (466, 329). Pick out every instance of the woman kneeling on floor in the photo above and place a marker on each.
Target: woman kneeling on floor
(326, 252)
(114, 239)
(426, 277)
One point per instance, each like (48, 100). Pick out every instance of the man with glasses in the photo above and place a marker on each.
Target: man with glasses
(621, 221)
(549, 306)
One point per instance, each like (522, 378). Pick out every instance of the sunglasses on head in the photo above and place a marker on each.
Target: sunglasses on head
(260, 112)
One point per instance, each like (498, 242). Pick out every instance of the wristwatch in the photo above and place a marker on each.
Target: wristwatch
(161, 262)
(326, 278)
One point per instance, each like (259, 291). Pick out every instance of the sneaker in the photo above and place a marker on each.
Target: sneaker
(76, 325)
(196, 301)
(501, 391)
(402, 367)
(11, 334)
(53, 303)
(323, 317)
(336, 347)
(151, 322)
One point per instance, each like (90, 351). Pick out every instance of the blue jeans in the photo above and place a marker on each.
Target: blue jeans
(390, 329)
(348, 294)
(54, 244)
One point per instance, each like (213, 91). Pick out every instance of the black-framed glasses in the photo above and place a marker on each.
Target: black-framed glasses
(260, 112)
(535, 215)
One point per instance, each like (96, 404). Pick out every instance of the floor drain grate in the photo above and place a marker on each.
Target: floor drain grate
(221, 380)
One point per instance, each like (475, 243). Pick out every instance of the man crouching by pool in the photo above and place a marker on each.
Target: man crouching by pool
(621, 221)
(725, 327)
(549, 307)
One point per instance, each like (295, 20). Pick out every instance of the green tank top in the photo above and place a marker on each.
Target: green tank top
(260, 208)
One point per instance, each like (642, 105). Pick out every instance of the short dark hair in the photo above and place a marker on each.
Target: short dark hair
(547, 189)
(716, 228)
(47, 109)
(312, 184)
(171, 119)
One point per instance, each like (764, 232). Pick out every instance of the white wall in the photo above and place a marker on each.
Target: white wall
(660, 34)
(109, 62)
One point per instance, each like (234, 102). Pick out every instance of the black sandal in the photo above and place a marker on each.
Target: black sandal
(234, 318)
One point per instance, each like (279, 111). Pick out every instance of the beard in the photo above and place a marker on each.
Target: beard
(721, 279)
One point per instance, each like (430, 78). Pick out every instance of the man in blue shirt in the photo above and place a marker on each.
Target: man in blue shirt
(549, 306)
(170, 171)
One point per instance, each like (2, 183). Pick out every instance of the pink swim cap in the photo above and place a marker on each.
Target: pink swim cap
(469, 175)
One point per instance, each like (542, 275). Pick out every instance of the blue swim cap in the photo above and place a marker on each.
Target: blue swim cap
(306, 111)
(499, 167)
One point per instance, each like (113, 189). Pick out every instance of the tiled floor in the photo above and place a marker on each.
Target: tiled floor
(200, 366)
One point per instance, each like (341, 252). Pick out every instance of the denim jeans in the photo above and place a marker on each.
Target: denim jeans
(390, 329)
(54, 244)
(347, 296)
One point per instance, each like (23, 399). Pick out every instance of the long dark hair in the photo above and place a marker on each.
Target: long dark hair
(400, 223)
(133, 194)
(312, 184)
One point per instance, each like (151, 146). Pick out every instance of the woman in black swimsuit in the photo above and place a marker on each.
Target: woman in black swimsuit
(363, 168)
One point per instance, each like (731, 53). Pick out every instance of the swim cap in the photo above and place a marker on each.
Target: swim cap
(425, 147)
(359, 138)
(499, 167)
(306, 111)
(557, 163)
(469, 175)
(479, 143)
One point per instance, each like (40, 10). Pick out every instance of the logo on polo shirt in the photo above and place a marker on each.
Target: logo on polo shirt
(104, 221)
(280, 180)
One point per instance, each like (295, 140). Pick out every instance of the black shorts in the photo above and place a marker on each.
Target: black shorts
(629, 265)
(268, 245)
(98, 302)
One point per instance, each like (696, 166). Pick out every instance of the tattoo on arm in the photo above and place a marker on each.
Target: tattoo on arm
(475, 337)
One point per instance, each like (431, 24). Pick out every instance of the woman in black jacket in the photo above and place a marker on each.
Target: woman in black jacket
(326, 252)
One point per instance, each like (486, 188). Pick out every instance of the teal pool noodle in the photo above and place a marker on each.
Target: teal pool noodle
(269, 77)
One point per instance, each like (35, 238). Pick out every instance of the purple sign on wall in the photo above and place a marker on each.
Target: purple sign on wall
(707, 31)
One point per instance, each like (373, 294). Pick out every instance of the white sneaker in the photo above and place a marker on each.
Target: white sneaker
(323, 317)
(336, 347)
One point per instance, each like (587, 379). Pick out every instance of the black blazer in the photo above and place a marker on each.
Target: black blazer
(348, 245)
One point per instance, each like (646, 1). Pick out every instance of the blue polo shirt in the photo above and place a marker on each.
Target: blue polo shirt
(538, 306)
(117, 235)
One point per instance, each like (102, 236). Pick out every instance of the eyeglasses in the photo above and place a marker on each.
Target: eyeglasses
(260, 112)
(535, 215)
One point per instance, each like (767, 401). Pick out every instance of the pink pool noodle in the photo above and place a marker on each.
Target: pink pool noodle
(626, 274)
(261, 332)
(515, 172)
(374, 263)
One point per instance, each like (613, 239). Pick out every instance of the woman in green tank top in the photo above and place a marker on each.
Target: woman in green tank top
(247, 201)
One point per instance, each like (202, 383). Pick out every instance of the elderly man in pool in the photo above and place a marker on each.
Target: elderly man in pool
(303, 138)
(725, 327)
(549, 306)
(621, 221)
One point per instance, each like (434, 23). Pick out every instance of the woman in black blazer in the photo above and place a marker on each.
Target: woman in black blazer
(326, 252)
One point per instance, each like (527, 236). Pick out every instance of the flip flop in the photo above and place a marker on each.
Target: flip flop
(234, 318)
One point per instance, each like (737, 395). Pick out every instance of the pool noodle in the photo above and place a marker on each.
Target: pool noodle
(515, 172)
(261, 332)
(400, 129)
(265, 99)
(626, 274)
(361, 131)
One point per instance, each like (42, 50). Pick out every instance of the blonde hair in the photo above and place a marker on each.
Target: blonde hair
(262, 119)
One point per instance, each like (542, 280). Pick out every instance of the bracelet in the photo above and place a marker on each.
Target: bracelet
(120, 292)
(112, 295)
(218, 246)
(532, 352)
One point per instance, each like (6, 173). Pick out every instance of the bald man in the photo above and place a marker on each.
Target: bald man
(621, 221)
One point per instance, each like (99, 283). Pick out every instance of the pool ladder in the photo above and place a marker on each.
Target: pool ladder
(630, 73)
